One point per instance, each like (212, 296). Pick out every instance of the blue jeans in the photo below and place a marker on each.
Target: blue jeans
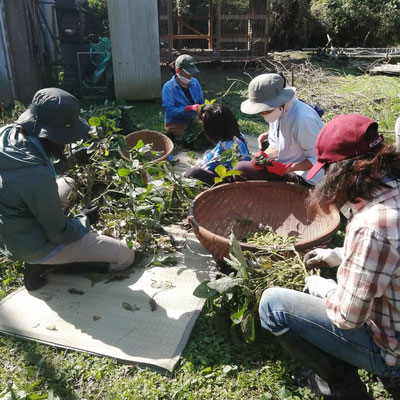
(285, 309)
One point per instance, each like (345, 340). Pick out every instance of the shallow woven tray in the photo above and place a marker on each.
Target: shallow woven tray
(159, 141)
(241, 207)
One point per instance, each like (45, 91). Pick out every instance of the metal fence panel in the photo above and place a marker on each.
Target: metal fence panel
(135, 48)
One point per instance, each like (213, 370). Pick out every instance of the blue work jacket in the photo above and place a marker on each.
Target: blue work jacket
(174, 100)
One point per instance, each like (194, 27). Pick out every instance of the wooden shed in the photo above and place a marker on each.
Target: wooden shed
(216, 31)
(21, 57)
(135, 49)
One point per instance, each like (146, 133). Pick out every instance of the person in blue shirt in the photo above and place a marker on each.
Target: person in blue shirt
(222, 130)
(181, 97)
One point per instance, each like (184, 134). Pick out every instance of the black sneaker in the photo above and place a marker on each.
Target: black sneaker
(32, 276)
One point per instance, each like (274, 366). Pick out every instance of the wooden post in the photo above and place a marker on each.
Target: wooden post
(218, 26)
(170, 30)
(210, 24)
(266, 30)
(250, 26)
(180, 25)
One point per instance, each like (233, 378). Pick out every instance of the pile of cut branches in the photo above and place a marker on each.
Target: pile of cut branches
(278, 264)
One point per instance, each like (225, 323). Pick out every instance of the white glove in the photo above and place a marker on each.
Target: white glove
(331, 257)
(318, 286)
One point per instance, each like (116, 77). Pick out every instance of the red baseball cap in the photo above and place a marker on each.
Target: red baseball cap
(342, 138)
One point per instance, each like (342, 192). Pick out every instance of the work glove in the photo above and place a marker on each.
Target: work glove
(330, 257)
(81, 156)
(261, 160)
(278, 168)
(92, 213)
(318, 286)
(194, 107)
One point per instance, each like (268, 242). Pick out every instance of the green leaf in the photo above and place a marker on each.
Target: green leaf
(238, 316)
(220, 170)
(139, 144)
(247, 327)
(224, 284)
(236, 250)
(233, 262)
(123, 172)
(94, 121)
(233, 172)
(217, 180)
(204, 291)
(36, 396)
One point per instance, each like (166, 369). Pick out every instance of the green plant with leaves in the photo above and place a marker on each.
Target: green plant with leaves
(228, 156)
(224, 173)
(137, 194)
(9, 117)
(240, 290)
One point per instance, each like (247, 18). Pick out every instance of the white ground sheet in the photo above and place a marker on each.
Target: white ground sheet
(116, 319)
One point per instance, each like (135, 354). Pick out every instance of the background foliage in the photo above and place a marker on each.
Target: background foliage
(368, 23)
(294, 24)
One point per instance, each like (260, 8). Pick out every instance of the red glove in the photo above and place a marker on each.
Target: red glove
(278, 168)
(194, 107)
(260, 160)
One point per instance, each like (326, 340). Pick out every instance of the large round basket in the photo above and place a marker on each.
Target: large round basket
(241, 207)
(160, 142)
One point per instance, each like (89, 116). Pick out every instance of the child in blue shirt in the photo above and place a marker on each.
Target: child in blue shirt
(222, 130)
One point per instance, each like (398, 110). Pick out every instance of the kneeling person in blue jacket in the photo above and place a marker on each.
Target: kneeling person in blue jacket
(33, 226)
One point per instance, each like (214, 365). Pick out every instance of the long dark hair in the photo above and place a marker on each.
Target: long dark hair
(354, 179)
(218, 122)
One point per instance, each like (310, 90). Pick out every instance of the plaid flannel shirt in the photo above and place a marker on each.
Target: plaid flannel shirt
(368, 277)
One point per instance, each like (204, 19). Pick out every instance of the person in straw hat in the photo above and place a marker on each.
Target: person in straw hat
(181, 97)
(293, 130)
(33, 227)
(352, 322)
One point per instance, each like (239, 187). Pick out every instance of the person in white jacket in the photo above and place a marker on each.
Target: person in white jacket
(293, 130)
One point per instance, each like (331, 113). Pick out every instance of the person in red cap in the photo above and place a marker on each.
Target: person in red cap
(353, 322)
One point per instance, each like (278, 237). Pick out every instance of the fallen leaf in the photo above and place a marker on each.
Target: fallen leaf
(76, 291)
(153, 305)
(130, 307)
(118, 275)
(51, 328)
(161, 284)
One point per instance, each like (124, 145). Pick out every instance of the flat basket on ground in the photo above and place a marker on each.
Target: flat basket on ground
(160, 142)
(241, 207)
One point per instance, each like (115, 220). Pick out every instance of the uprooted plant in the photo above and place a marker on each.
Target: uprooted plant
(137, 195)
(251, 273)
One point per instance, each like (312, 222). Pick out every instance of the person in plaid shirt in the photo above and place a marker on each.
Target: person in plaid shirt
(353, 322)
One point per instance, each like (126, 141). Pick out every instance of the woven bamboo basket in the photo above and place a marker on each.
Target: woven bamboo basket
(240, 208)
(159, 141)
